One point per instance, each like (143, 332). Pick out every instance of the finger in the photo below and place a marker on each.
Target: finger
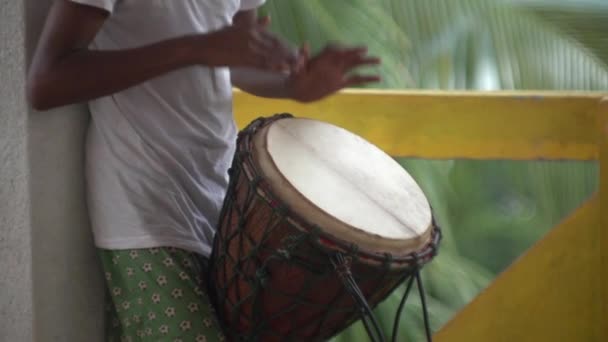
(261, 57)
(356, 80)
(353, 53)
(305, 50)
(262, 63)
(281, 50)
(264, 22)
(274, 49)
(260, 43)
(361, 61)
(357, 50)
(277, 43)
(303, 58)
(345, 52)
(344, 56)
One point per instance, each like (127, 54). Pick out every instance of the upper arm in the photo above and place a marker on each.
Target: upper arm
(69, 28)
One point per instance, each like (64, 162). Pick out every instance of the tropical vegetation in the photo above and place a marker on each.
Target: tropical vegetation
(490, 211)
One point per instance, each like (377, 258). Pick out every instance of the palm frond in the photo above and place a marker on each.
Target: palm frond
(353, 22)
(491, 45)
(492, 211)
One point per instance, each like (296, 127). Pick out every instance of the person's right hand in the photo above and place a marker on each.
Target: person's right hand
(249, 45)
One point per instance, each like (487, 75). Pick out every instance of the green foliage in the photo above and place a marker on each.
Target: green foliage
(491, 45)
(355, 22)
(490, 211)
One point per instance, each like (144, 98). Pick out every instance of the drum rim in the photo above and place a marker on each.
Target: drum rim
(418, 238)
(420, 254)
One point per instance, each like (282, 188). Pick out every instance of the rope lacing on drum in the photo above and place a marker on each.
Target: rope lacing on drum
(427, 327)
(341, 265)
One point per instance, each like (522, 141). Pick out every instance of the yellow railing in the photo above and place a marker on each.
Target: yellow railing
(558, 290)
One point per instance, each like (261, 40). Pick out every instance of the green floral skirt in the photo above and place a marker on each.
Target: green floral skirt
(157, 295)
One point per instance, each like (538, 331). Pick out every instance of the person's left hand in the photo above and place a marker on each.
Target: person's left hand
(329, 72)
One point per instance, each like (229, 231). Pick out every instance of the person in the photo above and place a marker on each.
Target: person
(158, 77)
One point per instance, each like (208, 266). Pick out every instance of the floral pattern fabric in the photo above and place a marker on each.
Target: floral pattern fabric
(157, 295)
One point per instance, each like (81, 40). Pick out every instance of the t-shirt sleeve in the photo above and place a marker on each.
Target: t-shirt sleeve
(107, 5)
(251, 4)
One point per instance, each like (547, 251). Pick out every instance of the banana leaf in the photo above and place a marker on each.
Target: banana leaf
(490, 211)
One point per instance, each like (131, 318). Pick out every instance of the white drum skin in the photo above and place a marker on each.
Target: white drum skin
(342, 183)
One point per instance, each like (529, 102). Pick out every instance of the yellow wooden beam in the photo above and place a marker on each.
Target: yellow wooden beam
(602, 114)
(551, 294)
(453, 125)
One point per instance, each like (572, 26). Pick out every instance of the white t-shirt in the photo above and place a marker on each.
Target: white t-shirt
(158, 153)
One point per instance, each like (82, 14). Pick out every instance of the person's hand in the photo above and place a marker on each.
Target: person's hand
(248, 45)
(329, 72)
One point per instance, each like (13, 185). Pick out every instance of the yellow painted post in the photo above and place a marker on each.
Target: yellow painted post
(550, 294)
(438, 125)
(602, 114)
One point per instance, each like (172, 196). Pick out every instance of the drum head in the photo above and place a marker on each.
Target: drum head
(345, 185)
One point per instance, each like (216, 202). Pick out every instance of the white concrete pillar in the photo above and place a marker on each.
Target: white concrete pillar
(51, 287)
(15, 241)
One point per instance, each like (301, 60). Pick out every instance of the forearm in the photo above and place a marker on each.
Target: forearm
(262, 83)
(86, 74)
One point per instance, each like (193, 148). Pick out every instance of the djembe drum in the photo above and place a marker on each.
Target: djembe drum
(317, 228)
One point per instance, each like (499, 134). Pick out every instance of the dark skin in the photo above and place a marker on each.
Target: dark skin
(65, 71)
